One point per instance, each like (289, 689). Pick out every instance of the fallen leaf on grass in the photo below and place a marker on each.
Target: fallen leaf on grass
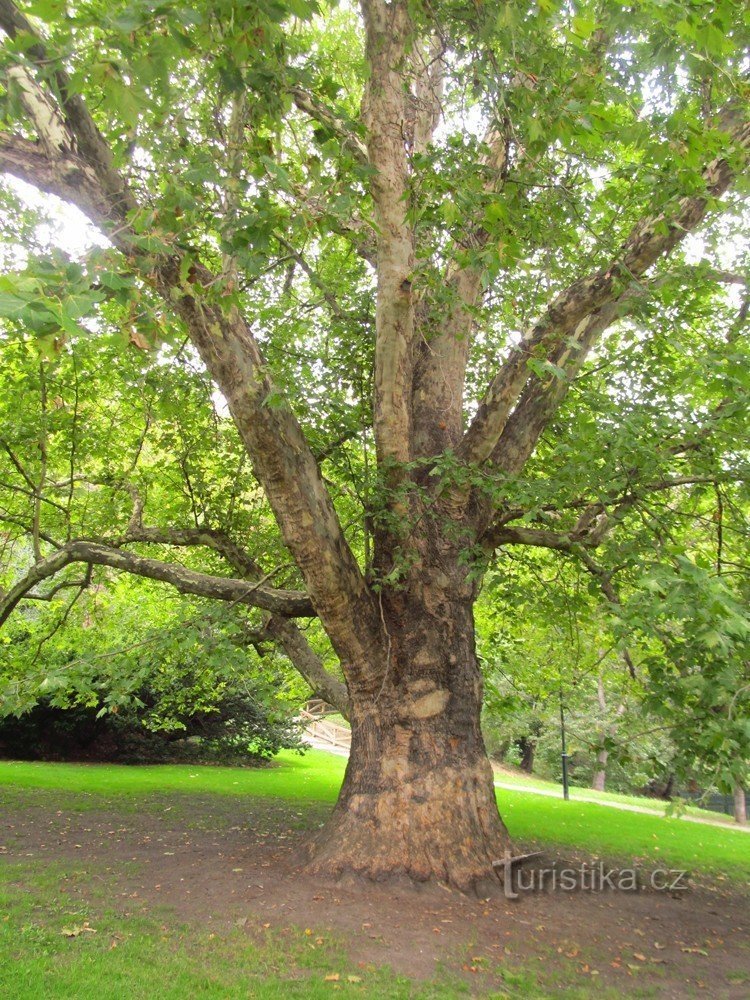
(76, 931)
(332, 977)
(694, 951)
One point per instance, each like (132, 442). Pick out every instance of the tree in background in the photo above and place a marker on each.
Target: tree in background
(457, 236)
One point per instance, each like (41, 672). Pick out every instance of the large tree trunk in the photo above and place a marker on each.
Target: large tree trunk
(418, 797)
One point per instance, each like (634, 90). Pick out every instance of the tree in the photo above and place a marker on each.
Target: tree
(509, 188)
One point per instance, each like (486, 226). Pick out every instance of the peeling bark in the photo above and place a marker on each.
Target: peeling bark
(418, 798)
(388, 28)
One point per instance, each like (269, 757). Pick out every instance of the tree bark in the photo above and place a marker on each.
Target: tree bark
(740, 805)
(418, 798)
(600, 774)
(527, 746)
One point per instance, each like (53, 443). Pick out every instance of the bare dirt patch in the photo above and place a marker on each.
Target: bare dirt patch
(227, 861)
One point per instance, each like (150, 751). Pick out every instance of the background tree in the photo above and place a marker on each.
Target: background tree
(355, 220)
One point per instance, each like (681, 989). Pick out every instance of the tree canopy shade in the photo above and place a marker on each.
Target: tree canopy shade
(459, 272)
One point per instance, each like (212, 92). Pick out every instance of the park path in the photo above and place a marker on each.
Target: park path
(576, 796)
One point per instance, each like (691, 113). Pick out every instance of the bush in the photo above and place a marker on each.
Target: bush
(237, 730)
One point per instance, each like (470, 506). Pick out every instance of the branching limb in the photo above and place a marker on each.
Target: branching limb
(272, 435)
(312, 106)
(387, 27)
(577, 314)
(284, 602)
(283, 631)
(67, 176)
(65, 585)
(88, 143)
(440, 367)
(292, 640)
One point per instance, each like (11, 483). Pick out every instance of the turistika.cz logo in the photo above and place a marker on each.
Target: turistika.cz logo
(587, 877)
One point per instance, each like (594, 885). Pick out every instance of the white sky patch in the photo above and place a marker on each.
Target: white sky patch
(66, 227)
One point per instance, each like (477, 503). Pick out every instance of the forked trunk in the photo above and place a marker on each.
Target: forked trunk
(418, 798)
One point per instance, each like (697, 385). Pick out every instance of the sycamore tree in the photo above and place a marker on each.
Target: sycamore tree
(457, 271)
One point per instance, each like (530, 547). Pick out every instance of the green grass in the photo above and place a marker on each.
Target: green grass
(508, 777)
(619, 835)
(149, 954)
(545, 822)
(153, 957)
(316, 776)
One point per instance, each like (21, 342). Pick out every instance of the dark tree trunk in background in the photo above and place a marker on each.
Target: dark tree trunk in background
(600, 774)
(527, 748)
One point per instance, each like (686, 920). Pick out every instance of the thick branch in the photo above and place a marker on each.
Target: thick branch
(240, 560)
(308, 663)
(289, 603)
(534, 537)
(67, 177)
(592, 527)
(284, 465)
(315, 108)
(88, 143)
(387, 30)
(271, 433)
(576, 310)
(283, 631)
(440, 368)
(542, 397)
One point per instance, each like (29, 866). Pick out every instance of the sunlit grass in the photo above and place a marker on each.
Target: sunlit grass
(510, 777)
(546, 822)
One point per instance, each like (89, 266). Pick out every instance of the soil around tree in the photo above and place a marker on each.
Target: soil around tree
(223, 862)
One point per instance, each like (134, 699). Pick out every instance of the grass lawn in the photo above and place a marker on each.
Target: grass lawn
(316, 775)
(151, 957)
(512, 777)
(534, 819)
(148, 953)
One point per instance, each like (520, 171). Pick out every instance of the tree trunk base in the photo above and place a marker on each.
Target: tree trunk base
(441, 825)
